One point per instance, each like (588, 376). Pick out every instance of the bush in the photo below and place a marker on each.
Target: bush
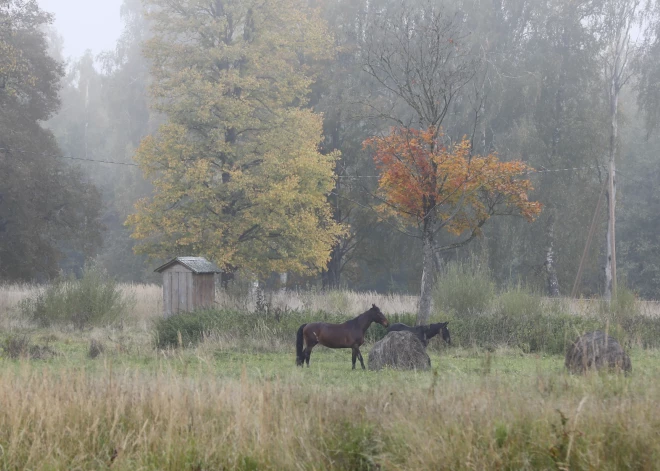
(190, 328)
(517, 318)
(465, 289)
(20, 346)
(95, 299)
(16, 346)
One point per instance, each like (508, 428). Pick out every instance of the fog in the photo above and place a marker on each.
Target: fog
(85, 24)
(528, 81)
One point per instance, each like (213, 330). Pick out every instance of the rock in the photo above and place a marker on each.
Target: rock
(595, 350)
(401, 350)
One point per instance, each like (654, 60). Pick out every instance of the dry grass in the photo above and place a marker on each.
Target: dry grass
(70, 418)
(149, 301)
(590, 307)
(340, 302)
(239, 403)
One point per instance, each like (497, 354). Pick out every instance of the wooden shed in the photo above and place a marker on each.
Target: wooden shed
(188, 284)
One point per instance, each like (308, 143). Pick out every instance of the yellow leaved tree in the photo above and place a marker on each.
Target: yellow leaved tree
(237, 173)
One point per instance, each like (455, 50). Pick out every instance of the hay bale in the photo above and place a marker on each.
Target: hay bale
(402, 350)
(596, 350)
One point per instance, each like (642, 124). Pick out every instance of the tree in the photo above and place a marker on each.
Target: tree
(442, 187)
(619, 17)
(238, 175)
(47, 207)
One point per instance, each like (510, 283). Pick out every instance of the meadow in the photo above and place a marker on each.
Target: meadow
(233, 399)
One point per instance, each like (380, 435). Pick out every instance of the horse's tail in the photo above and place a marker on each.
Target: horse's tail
(299, 345)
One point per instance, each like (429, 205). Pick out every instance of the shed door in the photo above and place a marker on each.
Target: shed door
(177, 292)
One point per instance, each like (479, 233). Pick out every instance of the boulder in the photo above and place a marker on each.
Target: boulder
(401, 350)
(596, 350)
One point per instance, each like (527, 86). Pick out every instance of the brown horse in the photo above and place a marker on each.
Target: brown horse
(350, 334)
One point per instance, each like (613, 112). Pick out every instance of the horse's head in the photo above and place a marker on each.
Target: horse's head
(378, 316)
(435, 329)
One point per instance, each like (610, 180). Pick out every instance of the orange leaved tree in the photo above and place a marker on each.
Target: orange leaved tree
(443, 187)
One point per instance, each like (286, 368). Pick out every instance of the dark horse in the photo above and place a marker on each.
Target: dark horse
(350, 334)
(425, 332)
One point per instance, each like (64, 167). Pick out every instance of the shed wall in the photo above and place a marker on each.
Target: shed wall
(204, 290)
(178, 292)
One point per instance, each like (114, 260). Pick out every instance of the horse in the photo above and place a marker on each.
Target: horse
(425, 332)
(350, 334)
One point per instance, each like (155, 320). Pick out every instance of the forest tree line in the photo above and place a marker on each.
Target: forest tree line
(525, 81)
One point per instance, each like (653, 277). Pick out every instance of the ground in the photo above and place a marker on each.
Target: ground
(225, 405)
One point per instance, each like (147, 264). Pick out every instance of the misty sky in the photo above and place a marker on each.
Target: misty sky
(85, 24)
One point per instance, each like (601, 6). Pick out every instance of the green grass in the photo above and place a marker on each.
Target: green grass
(499, 398)
(225, 405)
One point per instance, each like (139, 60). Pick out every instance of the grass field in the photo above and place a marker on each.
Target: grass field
(237, 402)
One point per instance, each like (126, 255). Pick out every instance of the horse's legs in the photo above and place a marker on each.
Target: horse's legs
(307, 352)
(354, 356)
(360, 358)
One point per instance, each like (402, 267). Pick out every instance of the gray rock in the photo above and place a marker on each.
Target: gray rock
(595, 351)
(401, 350)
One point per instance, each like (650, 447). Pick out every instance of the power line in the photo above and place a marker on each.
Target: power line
(354, 177)
(130, 164)
(58, 156)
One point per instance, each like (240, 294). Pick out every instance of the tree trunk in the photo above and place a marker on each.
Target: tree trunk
(428, 272)
(283, 279)
(551, 272)
(610, 264)
(330, 276)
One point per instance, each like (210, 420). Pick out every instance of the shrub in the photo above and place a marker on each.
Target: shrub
(190, 328)
(16, 346)
(95, 299)
(466, 288)
(20, 346)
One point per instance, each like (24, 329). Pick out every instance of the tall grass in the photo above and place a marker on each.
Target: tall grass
(464, 289)
(71, 419)
(94, 299)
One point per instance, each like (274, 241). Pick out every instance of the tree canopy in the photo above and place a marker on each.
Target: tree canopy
(47, 207)
(238, 175)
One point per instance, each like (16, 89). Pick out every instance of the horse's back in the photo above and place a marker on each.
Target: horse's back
(398, 326)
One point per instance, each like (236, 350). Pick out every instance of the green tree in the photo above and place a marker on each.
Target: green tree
(47, 207)
(238, 175)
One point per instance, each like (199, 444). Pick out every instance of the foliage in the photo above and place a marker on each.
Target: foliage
(420, 176)
(93, 300)
(190, 328)
(47, 208)
(16, 346)
(20, 346)
(519, 319)
(464, 289)
(238, 175)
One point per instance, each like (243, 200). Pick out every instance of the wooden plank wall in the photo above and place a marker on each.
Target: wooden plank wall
(177, 290)
(204, 290)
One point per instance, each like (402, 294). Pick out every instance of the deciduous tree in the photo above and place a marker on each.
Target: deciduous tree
(439, 187)
(237, 171)
(47, 207)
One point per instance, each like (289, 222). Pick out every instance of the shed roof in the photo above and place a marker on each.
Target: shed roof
(196, 264)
